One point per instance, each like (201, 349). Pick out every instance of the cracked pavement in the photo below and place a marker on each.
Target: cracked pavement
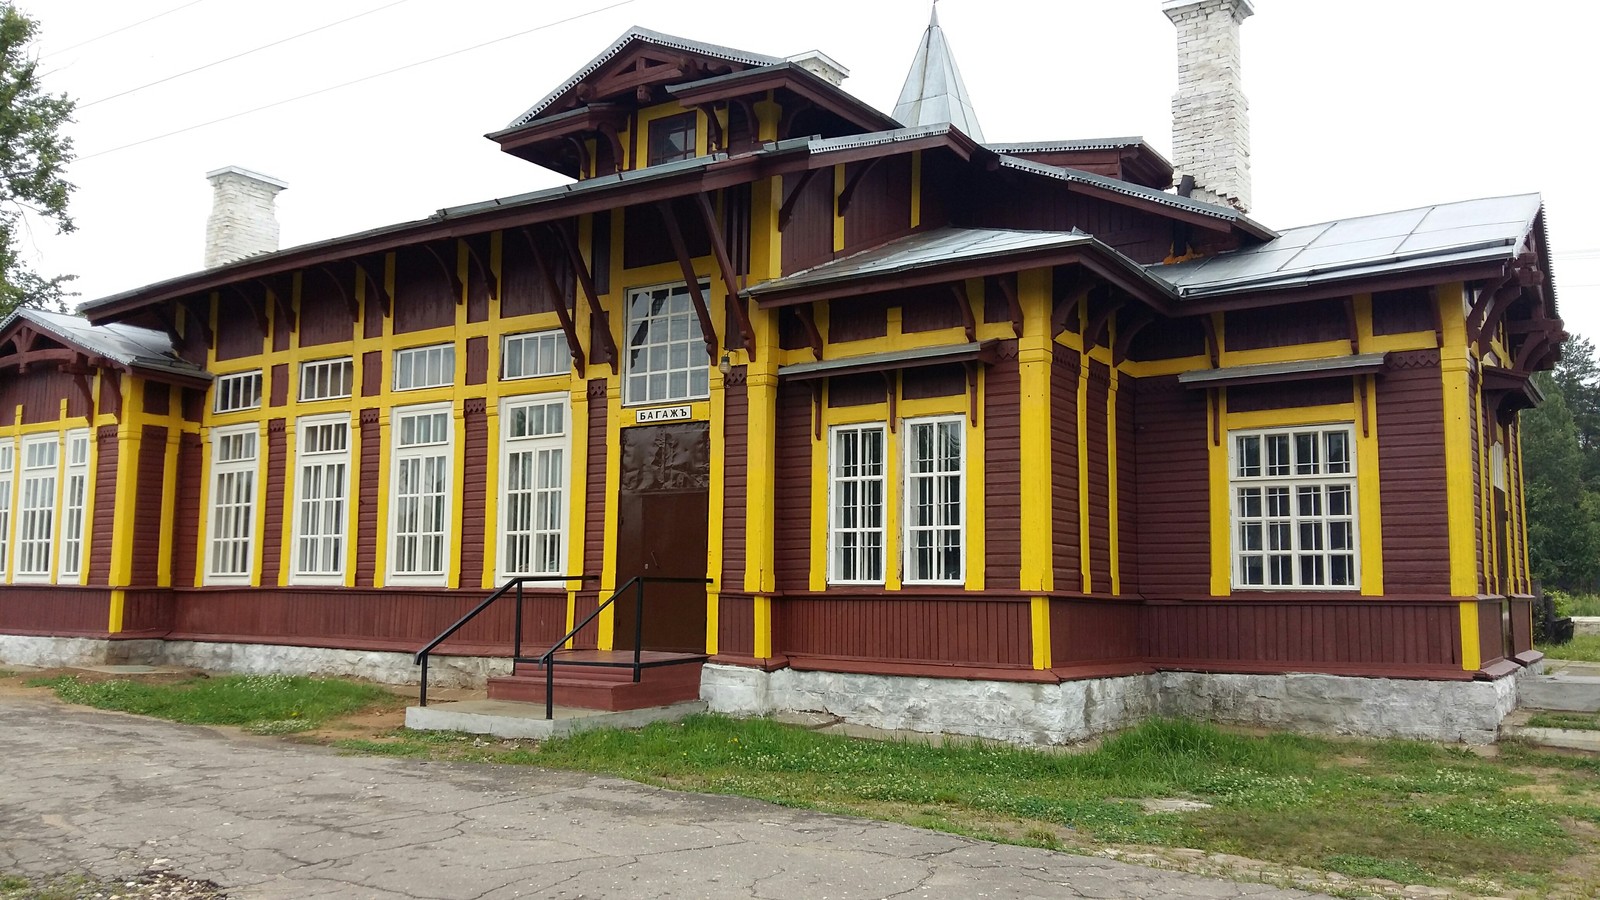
(109, 794)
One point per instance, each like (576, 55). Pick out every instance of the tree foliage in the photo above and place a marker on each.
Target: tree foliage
(34, 153)
(1561, 465)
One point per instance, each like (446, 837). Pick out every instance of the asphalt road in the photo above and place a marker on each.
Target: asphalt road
(107, 795)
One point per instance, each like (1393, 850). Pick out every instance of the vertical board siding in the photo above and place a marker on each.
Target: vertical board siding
(325, 316)
(880, 208)
(147, 613)
(1064, 468)
(477, 277)
(1303, 323)
(187, 513)
(54, 611)
(594, 510)
(1404, 311)
(424, 297)
(238, 331)
(102, 533)
(1145, 237)
(735, 462)
(1002, 464)
(1521, 625)
(1093, 631)
(157, 398)
(273, 498)
(907, 629)
(1491, 632)
(1479, 476)
(372, 373)
(792, 500)
(40, 391)
(736, 625)
(523, 287)
(1171, 456)
(477, 360)
(1099, 479)
(1308, 633)
(808, 238)
(1416, 525)
(367, 499)
(1127, 486)
(475, 529)
(148, 491)
(373, 313)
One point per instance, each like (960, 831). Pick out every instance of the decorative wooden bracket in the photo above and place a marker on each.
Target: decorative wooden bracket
(972, 390)
(385, 299)
(786, 211)
(451, 273)
(1008, 289)
(586, 284)
(730, 281)
(282, 294)
(476, 262)
(843, 202)
(574, 346)
(1099, 322)
(581, 147)
(1065, 314)
(1213, 352)
(1125, 334)
(80, 380)
(198, 311)
(816, 409)
(1352, 325)
(169, 324)
(1366, 424)
(808, 320)
(345, 294)
(609, 131)
(259, 310)
(708, 331)
(964, 305)
(892, 392)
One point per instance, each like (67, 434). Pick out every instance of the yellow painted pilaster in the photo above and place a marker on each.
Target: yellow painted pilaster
(977, 534)
(1035, 352)
(1039, 613)
(1471, 651)
(838, 220)
(577, 508)
(1221, 499)
(1369, 492)
(169, 503)
(608, 577)
(1085, 558)
(1454, 365)
(291, 481)
(1111, 474)
(713, 608)
(763, 627)
(820, 512)
(122, 529)
(119, 599)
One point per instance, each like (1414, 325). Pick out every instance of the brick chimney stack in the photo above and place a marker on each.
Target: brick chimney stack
(1210, 116)
(242, 222)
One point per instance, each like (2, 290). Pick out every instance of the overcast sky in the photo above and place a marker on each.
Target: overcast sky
(1357, 106)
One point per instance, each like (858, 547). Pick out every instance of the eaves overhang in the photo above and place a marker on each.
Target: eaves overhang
(1281, 372)
(787, 76)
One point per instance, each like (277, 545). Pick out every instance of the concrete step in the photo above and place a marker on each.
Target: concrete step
(508, 719)
(1563, 693)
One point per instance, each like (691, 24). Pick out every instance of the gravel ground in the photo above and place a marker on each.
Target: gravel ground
(153, 884)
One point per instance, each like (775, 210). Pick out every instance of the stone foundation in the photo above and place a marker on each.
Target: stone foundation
(1452, 711)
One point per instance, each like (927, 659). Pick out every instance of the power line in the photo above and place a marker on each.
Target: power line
(122, 29)
(355, 81)
(218, 62)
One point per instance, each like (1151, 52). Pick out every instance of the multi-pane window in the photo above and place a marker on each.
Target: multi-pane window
(934, 488)
(73, 499)
(36, 511)
(7, 464)
(425, 367)
(672, 138)
(534, 354)
(322, 485)
(325, 379)
(231, 393)
(419, 520)
(230, 551)
(856, 472)
(533, 505)
(667, 356)
(1294, 508)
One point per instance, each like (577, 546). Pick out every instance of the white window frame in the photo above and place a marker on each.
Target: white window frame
(548, 347)
(317, 373)
(8, 454)
(510, 525)
(325, 469)
(74, 503)
(840, 493)
(29, 542)
(909, 476)
(242, 390)
(402, 454)
(646, 342)
(1259, 530)
(414, 366)
(240, 513)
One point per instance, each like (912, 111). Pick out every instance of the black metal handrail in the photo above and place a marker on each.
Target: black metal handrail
(637, 582)
(516, 645)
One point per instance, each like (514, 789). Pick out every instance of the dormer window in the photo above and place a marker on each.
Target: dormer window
(672, 138)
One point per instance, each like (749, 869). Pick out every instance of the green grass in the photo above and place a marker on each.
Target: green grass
(1411, 812)
(1576, 604)
(264, 704)
(1583, 648)
(1575, 721)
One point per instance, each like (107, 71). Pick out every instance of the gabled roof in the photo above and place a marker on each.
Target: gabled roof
(791, 76)
(934, 92)
(1429, 237)
(637, 35)
(126, 345)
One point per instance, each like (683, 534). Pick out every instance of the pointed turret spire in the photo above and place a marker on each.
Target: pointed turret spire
(934, 92)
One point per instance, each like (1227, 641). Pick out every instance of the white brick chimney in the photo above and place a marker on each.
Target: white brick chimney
(242, 221)
(1210, 116)
(822, 65)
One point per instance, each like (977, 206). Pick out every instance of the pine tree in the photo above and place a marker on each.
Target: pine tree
(34, 154)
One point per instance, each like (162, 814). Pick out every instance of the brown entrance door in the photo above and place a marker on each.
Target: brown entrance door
(662, 519)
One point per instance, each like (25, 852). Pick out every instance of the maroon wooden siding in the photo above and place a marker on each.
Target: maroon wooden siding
(477, 247)
(735, 463)
(594, 510)
(278, 387)
(1480, 534)
(1002, 475)
(39, 392)
(1064, 370)
(372, 373)
(363, 618)
(1302, 633)
(736, 625)
(1304, 323)
(1402, 312)
(186, 511)
(477, 360)
(880, 208)
(808, 238)
(424, 296)
(374, 312)
(475, 531)
(986, 631)
(1093, 631)
(1521, 625)
(238, 330)
(146, 613)
(1145, 237)
(1415, 511)
(325, 315)
(1491, 630)
(102, 530)
(149, 489)
(1127, 486)
(367, 499)
(792, 495)
(157, 398)
(1253, 398)
(273, 498)
(523, 288)
(1099, 479)
(858, 318)
(1172, 459)
(282, 328)
(52, 611)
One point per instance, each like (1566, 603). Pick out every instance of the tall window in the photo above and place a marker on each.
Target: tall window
(935, 484)
(1294, 508)
(230, 553)
(672, 138)
(534, 354)
(7, 463)
(37, 511)
(856, 504)
(73, 500)
(322, 485)
(419, 520)
(325, 379)
(667, 357)
(425, 367)
(533, 508)
(232, 393)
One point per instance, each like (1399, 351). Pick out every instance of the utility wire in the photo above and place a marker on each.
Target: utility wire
(345, 84)
(122, 29)
(218, 62)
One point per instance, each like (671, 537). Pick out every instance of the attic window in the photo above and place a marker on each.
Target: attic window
(672, 138)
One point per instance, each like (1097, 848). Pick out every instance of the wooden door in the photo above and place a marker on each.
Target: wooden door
(662, 518)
